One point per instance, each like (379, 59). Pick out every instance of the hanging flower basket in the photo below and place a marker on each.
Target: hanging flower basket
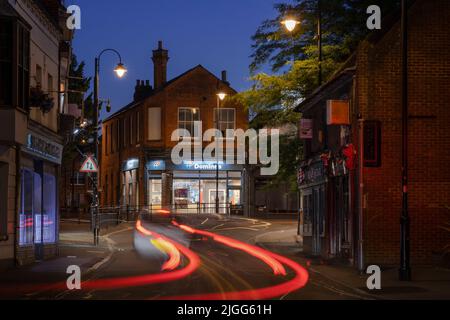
(39, 99)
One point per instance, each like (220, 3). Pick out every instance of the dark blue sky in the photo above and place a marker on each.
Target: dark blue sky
(214, 33)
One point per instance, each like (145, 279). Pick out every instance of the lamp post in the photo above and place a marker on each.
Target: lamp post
(290, 23)
(120, 71)
(405, 269)
(220, 97)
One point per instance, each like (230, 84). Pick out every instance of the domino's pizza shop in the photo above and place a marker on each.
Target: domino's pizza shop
(192, 186)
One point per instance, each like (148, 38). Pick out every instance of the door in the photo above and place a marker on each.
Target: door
(319, 208)
(222, 201)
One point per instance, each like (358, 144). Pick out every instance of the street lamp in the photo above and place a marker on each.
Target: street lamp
(220, 97)
(405, 267)
(290, 24)
(120, 71)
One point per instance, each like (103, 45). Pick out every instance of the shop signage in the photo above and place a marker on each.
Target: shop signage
(306, 129)
(156, 165)
(131, 164)
(338, 112)
(160, 165)
(43, 148)
(312, 174)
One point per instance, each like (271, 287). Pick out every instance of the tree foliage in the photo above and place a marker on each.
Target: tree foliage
(293, 59)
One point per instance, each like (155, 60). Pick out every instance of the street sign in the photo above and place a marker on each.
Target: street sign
(89, 165)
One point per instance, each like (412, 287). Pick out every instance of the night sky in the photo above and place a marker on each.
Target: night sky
(214, 33)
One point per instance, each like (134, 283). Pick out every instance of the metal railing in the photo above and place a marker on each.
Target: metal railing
(114, 215)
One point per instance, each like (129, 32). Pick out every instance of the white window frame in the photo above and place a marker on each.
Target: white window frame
(217, 122)
(184, 121)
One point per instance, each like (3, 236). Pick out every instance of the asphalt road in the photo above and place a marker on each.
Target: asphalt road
(203, 257)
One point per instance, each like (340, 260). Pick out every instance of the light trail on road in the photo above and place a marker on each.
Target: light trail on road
(139, 281)
(298, 282)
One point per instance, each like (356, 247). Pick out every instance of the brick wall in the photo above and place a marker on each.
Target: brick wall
(196, 89)
(378, 96)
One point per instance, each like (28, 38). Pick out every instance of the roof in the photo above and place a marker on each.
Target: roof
(160, 89)
(6, 10)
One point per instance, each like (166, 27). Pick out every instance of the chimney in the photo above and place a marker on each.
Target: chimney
(160, 59)
(142, 90)
(224, 77)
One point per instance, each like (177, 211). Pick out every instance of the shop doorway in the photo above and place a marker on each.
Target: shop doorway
(222, 201)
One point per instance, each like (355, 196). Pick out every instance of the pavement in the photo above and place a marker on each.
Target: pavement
(429, 283)
(123, 256)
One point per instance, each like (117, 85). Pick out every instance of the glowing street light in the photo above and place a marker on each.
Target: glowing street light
(120, 70)
(290, 24)
(222, 96)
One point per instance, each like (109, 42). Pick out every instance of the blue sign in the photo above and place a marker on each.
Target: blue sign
(160, 165)
(156, 165)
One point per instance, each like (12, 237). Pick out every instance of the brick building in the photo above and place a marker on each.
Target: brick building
(339, 193)
(136, 168)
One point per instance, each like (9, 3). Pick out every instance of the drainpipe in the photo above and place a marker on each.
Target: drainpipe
(361, 196)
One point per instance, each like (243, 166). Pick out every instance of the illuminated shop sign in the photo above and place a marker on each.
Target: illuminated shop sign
(203, 165)
(131, 164)
(43, 148)
(159, 165)
(156, 165)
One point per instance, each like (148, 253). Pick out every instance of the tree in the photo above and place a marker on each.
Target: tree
(75, 142)
(293, 59)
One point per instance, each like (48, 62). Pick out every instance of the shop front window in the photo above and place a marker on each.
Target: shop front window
(26, 211)
(186, 193)
(155, 191)
(46, 224)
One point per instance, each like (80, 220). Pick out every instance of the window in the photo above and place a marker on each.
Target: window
(50, 85)
(38, 208)
(26, 220)
(3, 200)
(119, 140)
(6, 68)
(138, 120)
(187, 118)
(155, 194)
(106, 140)
(78, 179)
(105, 190)
(131, 129)
(46, 221)
(110, 138)
(154, 124)
(113, 136)
(226, 119)
(23, 67)
(38, 76)
(124, 131)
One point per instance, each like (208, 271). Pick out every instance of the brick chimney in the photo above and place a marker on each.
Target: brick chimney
(160, 59)
(142, 90)
(224, 77)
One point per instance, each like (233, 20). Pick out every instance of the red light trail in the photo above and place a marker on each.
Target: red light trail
(298, 282)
